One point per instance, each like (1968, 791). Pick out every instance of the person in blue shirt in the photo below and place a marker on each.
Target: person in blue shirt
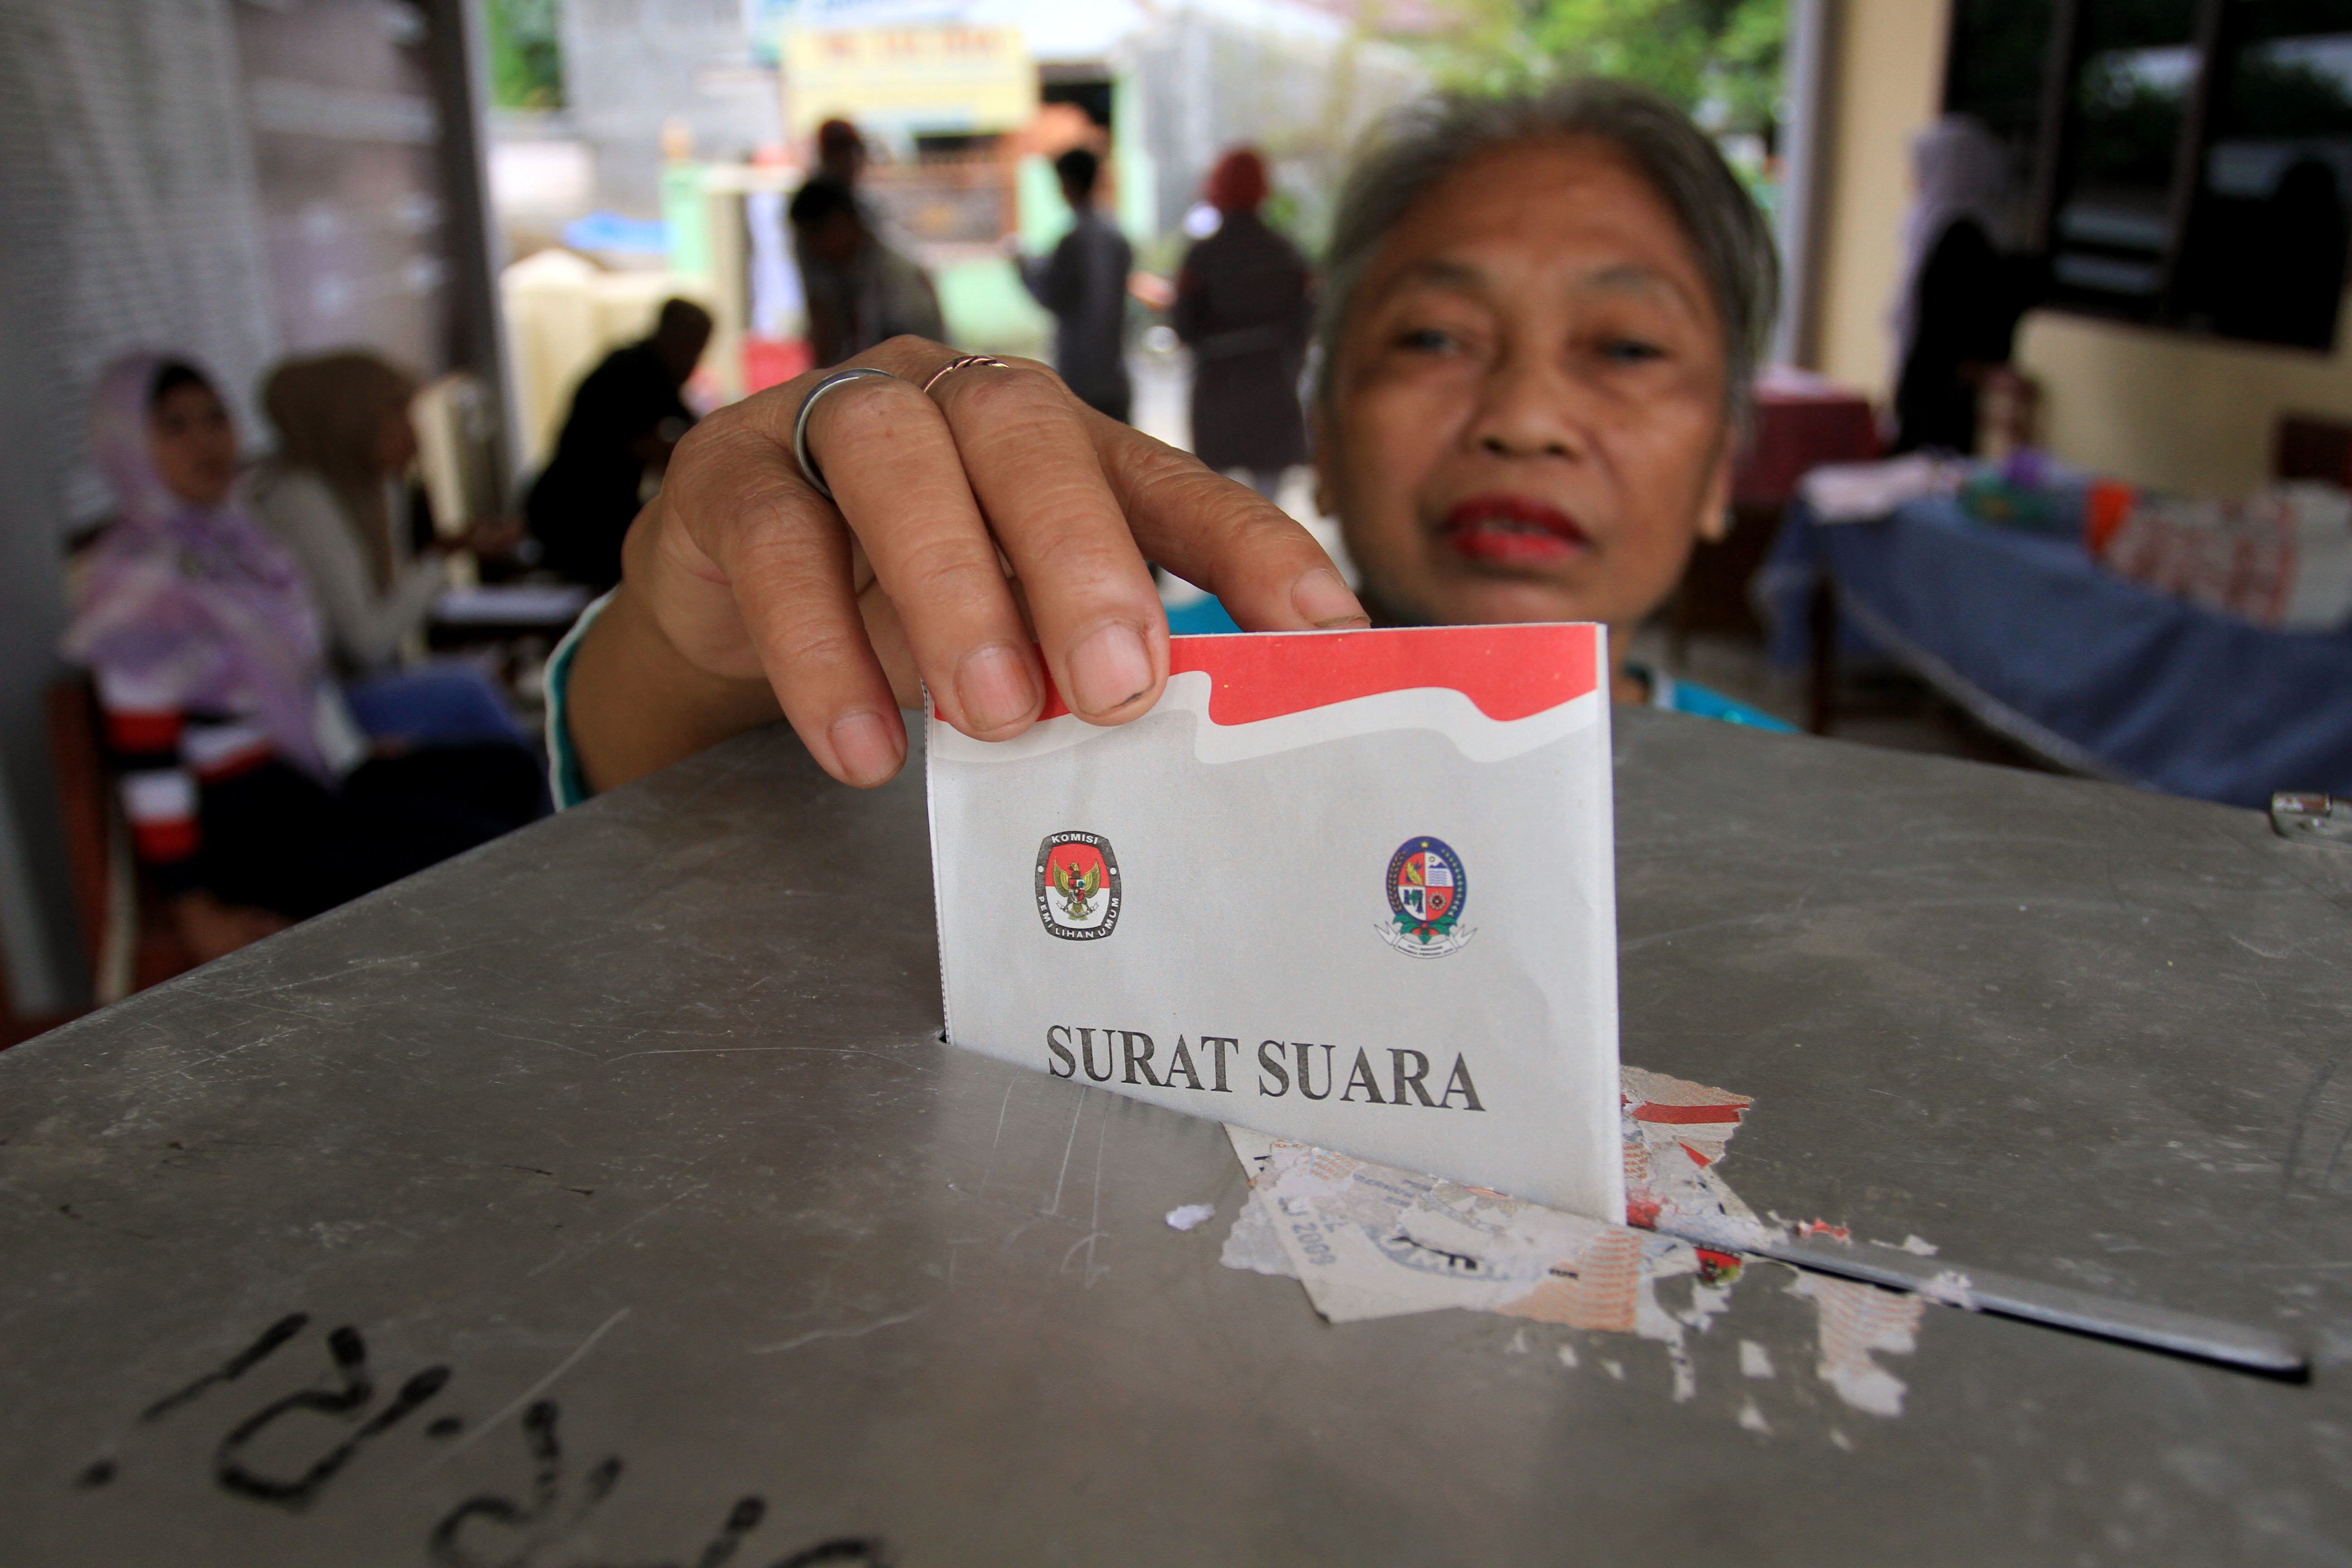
(1541, 316)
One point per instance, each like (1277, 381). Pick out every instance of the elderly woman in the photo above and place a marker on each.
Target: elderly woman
(1539, 320)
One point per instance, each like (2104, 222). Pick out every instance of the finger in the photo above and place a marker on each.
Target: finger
(1031, 458)
(899, 481)
(888, 636)
(764, 560)
(1267, 570)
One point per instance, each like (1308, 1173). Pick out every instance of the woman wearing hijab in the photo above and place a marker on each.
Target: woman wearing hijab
(335, 494)
(1242, 304)
(253, 796)
(1957, 310)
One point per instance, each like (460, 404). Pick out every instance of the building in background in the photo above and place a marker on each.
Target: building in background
(655, 139)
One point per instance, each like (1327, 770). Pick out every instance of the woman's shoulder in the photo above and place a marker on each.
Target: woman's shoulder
(294, 504)
(1704, 701)
(274, 487)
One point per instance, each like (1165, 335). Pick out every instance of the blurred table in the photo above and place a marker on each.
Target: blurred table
(1802, 421)
(502, 612)
(2084, 668)
(606, 1196)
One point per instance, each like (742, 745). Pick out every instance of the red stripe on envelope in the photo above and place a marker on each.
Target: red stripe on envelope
(1684, 1115)
(1507, 672)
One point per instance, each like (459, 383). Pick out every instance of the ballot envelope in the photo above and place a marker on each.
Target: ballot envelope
(1355, 888)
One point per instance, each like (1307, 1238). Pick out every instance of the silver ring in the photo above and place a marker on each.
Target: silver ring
(809, 469)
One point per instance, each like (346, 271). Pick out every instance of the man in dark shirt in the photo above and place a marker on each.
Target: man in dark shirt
(1083, 283)
(624, 420)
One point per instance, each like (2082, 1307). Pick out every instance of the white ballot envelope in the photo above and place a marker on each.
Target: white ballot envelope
(1354, 889)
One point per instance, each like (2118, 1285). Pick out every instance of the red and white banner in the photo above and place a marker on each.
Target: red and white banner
(1354, 889)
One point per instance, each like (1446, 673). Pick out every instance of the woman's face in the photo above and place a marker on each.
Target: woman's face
(396, 441)
(193, 444)
(1527, 420)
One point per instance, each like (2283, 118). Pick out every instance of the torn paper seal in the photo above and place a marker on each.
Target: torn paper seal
(1367, 1240)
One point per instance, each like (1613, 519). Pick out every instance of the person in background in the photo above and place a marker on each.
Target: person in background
(1242, 302)
(1542, 317)
(253, 798)
(841, 154)
(336, 494)
(1955, 310)
(625, 420)
(861, 292)
(1084, 284)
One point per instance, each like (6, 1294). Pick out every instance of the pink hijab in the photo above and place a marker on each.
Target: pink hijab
(194, 608)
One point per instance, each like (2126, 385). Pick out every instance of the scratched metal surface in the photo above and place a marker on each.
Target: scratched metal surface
(624, 1159)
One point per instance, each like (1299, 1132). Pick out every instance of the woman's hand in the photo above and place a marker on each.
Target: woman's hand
(985, 538)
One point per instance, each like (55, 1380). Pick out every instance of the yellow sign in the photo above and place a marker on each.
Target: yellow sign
(933, 79)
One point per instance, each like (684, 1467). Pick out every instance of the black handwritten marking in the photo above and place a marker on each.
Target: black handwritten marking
(236, 1366)
(872, 1551)
(446, 1426)
(546, 1491)
(350, 1352)
(742, 1520)
(100, 1472)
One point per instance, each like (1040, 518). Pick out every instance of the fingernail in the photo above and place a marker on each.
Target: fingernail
(1325, 601)
(1109, 670)
(865, 748)
(995, 687)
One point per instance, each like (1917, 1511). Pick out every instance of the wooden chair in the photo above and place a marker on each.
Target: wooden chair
(125, 928)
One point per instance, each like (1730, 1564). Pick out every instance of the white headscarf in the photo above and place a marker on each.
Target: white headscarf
(1960, 172)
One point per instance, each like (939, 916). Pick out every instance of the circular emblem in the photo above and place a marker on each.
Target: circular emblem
(1429, 891)
(1077, 886)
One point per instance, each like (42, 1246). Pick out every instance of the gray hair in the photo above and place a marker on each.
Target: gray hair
(1423, 143)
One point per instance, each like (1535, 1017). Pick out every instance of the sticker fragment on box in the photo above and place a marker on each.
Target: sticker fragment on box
(1369, 1241)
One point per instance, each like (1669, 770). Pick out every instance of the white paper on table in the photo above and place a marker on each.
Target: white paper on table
(1354, 889)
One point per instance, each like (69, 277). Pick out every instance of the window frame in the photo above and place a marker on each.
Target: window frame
(2217, 42)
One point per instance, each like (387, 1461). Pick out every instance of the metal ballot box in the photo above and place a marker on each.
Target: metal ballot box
(606, 1196)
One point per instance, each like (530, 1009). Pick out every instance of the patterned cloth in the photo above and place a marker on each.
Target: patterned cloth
(2281, 558)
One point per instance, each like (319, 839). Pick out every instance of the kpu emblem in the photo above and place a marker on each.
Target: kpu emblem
(1077, 886)
(1428, 891)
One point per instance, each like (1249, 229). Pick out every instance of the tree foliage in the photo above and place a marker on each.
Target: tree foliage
(526, 54)
(1719, 59)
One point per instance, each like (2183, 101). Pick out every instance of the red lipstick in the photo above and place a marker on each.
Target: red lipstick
(1512, 530)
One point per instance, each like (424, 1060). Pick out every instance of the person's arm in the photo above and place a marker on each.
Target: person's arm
(1032, 270)
(748, 594)
(1189, 315)
(1061, 281)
